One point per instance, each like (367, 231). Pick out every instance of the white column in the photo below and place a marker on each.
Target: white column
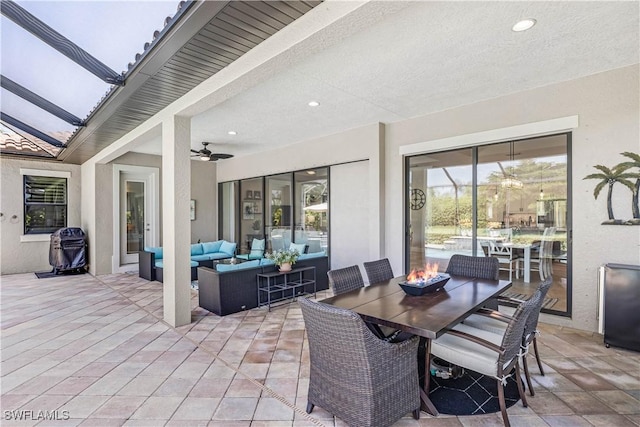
(377, 196)
(176, 225)
(88, 212)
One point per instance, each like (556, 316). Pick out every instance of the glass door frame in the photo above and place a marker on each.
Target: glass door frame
(569, 212)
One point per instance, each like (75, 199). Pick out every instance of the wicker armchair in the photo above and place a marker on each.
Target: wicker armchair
(345, 279)
(378, 271)
(493, 355)
(470, 266)
(355, 376)
(489, 321)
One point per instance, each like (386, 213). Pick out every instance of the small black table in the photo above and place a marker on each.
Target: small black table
(280, 286)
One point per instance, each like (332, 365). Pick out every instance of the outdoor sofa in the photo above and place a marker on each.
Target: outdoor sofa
(232, 288)
(151, 260)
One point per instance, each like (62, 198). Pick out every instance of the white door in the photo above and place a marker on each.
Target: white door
(136, 213)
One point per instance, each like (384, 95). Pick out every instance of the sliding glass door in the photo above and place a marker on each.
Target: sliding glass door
(512, 194)
(280, 205)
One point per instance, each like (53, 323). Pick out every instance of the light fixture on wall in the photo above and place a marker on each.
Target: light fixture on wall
(510, 180)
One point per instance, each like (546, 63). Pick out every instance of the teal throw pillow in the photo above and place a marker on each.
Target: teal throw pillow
(211, 247)
(228, 248)
(297, 247)
(196, 249)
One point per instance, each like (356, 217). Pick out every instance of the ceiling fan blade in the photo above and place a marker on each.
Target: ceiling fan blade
(195, 151)
(219, 156)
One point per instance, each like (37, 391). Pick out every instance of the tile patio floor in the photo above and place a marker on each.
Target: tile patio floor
(96, 349)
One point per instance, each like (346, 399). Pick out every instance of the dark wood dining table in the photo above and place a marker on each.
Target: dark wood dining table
(428, 316)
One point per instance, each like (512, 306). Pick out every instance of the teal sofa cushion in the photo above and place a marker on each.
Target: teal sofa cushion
(203, 257)
(196, 249)
(157, 252)
(228, 248)
(211, 247)
(160, 264)
(311, 255)
(297, 247)
(242, 266)
(217, 255)
(267, 261)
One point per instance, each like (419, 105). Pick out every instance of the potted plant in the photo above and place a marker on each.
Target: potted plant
(284, 258)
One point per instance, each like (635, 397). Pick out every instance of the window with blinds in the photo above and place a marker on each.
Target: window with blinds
(45, 204)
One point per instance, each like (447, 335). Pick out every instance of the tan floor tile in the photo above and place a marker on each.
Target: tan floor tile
(83, 406)
(176, 387)
(72, 385)
(583, 403)
(608, 420)
(119, 407)
(240, 387)
(589, 381)
(158, 408)
(272, 409)
(141, 386)
(287, 387)
(619, 401)
(283, 370)
(554, 382)
(566, 421)
(196, 408)
(545, 403)
(236, 408)
(210, 387)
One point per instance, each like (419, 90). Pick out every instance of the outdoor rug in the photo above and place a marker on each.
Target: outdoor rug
(48, 274)
(471, 394)
(548, 302)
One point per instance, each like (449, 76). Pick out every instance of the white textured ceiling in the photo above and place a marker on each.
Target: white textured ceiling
(428, 57)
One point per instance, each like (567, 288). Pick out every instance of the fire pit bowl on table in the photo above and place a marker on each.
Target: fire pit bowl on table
(425, 286)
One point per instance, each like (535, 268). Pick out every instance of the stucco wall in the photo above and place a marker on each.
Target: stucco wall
(609, 121)
(204, 190)
(23, 257)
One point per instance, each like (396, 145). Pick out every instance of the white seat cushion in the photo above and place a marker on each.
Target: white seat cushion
(468, 354)
(486, 324)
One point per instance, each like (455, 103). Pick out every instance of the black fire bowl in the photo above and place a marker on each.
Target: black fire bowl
(425, 287)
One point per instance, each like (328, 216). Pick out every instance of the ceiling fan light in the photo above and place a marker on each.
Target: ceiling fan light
(204, 158)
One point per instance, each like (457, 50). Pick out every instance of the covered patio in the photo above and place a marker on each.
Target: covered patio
(95, 349)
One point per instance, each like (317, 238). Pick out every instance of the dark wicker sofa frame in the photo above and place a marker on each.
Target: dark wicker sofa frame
(229, 292)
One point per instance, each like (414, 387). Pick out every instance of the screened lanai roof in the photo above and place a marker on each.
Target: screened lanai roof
(113, 32)
(71, 70)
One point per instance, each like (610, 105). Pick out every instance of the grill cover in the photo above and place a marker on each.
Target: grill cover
(67, 250)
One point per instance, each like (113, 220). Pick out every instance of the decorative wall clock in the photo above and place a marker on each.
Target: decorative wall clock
(418, 199)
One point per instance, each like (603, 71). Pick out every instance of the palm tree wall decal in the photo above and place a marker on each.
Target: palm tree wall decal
(608, 177)
(635, 163)
(619, 174)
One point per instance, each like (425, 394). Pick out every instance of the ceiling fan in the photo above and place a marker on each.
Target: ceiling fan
(206, 155)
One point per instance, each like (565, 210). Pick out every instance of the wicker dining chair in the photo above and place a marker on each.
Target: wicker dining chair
(488, 353)
(354, 375)
(489, 321)
(471, 266)
(345, 279)
(378, 271)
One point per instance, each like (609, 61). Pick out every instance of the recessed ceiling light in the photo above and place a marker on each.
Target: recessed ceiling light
(314, 104)
(232, 132)
(524, 25)
(311, 172)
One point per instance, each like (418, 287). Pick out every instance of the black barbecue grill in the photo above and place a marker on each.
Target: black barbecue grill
(68, 250)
